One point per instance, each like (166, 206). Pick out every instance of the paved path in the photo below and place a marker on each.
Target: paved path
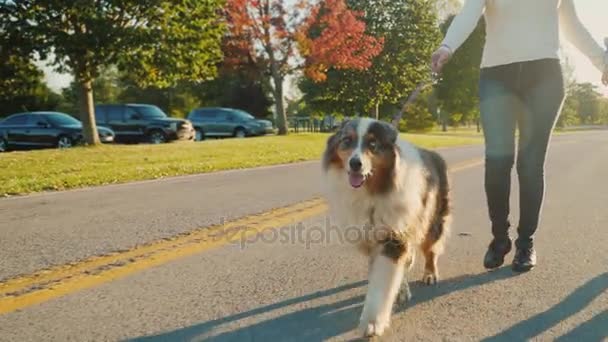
(149, 286)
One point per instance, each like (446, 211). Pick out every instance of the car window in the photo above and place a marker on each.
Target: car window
(36, 120)
(114, 113)
(100, 114)
(206, 115)
(60, 119)
(132, 114)
(198, 115)
(244, 115)
(224, 116)
(16, 120)
(151, 112)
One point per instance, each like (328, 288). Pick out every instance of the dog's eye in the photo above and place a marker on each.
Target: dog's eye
(346, 141)
(373, 145)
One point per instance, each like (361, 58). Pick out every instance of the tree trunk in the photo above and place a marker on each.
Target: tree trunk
(87, 113)
(278, 104)
(377, 111)
(444, 122)
(478, 126)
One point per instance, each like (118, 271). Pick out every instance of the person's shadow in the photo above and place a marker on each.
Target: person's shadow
(316, 323)
(595, 329)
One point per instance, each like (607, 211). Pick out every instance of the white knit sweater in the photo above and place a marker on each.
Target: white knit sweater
(523, 30)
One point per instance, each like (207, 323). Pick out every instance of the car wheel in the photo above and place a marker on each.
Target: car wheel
(240, 133)
(64, 142)
(3, 145)
(199, 135)
(156, 137)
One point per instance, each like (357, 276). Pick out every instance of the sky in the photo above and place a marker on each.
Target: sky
(592, 13)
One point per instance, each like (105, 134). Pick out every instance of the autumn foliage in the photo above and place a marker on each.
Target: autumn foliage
(334, 36)
(279, 39)
(324, 35)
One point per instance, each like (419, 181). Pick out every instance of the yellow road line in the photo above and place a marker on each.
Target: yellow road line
(42, 286)
(24, 291)
(467, 164)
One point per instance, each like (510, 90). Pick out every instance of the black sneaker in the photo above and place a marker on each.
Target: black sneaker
(495, 256)
(524, 260)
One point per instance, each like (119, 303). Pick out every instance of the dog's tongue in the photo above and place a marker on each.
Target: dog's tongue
(356, 180)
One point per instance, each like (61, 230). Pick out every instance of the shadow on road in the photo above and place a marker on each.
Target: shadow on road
(593, 330)
(316, 323)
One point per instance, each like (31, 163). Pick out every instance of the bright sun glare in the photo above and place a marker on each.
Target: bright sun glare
(593, 15)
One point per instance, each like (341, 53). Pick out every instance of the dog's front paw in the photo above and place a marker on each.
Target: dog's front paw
(371, 329)
(430, 278)
(404, 295)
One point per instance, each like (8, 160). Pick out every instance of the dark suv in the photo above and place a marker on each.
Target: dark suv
(227, 122)
(142, 123)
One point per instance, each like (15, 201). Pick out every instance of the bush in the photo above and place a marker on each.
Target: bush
(417, 118)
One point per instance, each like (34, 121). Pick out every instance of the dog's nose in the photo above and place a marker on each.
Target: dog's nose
(355, 164)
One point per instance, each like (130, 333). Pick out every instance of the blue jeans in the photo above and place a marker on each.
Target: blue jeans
(529, 96)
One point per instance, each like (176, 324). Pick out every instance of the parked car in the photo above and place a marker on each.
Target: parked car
(44, 129)
(226, 122)
(142, 123)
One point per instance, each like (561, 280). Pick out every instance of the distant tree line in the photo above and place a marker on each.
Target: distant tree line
(348, 57)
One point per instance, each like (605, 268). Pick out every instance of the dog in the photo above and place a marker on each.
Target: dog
(397, 196)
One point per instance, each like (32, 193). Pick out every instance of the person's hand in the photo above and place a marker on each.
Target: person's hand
(440, 57)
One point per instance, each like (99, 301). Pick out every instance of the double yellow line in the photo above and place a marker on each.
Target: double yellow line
(39, 287)
(42, 286)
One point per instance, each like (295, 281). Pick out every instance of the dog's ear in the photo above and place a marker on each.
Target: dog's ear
(387, 131)
(332, 145)
(334, 139)
(344, 123)
(393, 133)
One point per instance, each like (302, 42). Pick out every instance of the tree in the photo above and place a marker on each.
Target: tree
(458, 89)
(603, 111)
(158, 41)
(418, 116)
(410, 35)
(587, 97)
(569, 115)
(583, 105)
(232, 89)
(22, 86)
(236, 90)
(280, 38)
(106, 87)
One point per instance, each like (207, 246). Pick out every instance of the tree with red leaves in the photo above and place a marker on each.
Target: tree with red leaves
(280, 39)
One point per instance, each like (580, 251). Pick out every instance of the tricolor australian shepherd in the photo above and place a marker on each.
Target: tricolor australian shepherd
(398, 196)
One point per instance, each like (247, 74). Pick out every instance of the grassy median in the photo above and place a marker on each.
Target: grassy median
(43, 170)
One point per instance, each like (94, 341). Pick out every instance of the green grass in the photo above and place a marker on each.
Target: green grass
(43, 170)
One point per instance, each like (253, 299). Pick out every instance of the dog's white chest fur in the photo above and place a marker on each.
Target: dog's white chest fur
(358, 209)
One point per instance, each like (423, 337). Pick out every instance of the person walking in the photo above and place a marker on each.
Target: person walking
(521, 85)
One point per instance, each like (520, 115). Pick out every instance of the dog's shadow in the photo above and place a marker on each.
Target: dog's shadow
(316, 323)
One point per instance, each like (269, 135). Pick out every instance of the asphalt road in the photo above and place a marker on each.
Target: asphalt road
(298, 289)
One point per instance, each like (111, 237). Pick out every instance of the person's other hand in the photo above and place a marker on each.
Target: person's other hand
(439, 58)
